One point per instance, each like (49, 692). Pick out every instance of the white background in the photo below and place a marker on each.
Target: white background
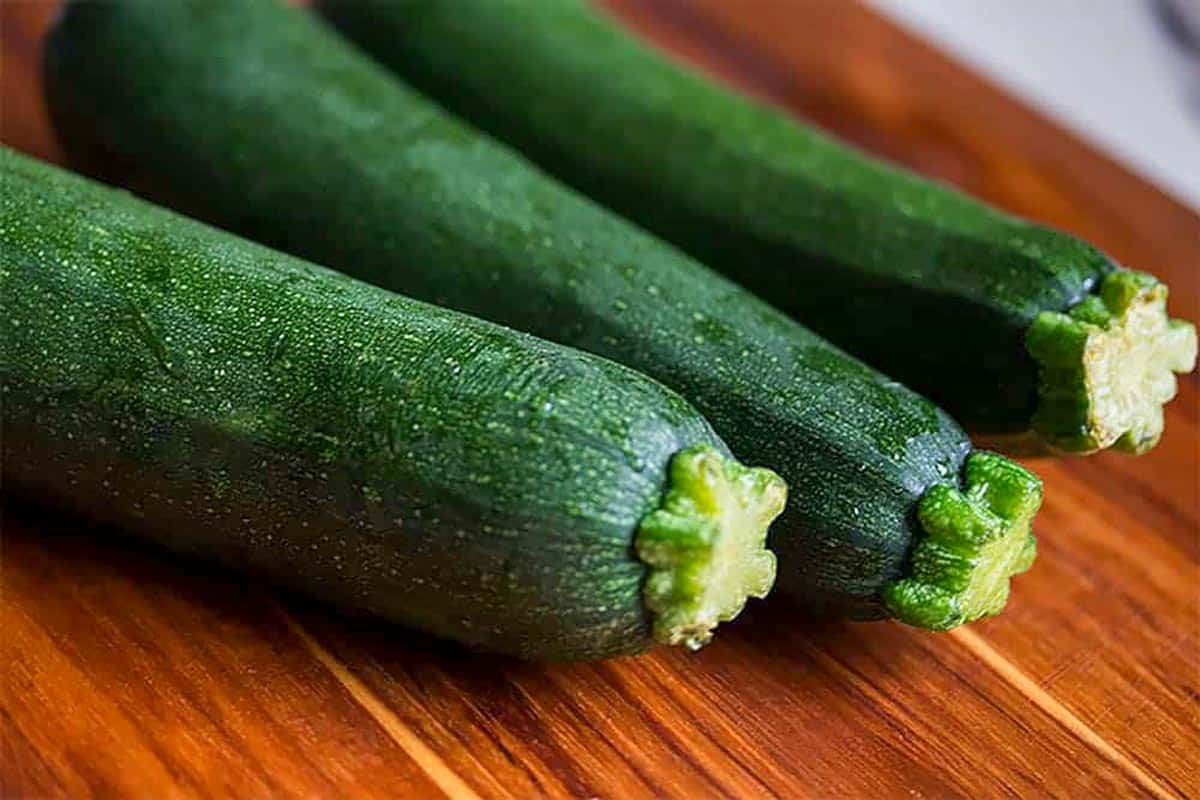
(1100, 67)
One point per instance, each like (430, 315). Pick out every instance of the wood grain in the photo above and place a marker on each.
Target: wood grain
(758, 713)
(131, 673)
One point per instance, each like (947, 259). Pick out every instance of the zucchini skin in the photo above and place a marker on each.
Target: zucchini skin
(261, 120)
(230, 401)
(921, 281)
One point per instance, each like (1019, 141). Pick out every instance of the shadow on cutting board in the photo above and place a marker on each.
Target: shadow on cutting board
(64, 550)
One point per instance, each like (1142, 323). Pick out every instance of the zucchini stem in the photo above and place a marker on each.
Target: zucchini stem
(976, 540)
(1107, 366)
(706, 544)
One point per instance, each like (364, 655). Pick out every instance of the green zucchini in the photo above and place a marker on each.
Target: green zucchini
(453, 475)
(1026, 335)
(261, 119)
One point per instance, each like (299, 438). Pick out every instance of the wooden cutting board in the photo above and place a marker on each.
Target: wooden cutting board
(129, 673)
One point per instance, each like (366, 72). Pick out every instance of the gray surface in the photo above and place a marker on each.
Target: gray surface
(1104, 68)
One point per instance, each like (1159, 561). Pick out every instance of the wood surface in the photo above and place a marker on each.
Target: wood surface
(130, 673)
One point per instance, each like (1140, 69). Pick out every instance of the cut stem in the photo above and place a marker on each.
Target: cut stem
(1107, 366)
(706, 544)
(975, 540)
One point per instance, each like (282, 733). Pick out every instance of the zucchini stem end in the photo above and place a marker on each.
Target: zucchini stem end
(975, 540)
(1106, 367)
(706, 544)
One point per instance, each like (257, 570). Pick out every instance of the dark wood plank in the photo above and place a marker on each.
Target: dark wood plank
(772, 706)
(129, 674)
(1108, 625)
(24, 123)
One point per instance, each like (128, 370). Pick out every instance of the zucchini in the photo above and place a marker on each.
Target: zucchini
(1028, 336)
(444, 472)
(261, 119)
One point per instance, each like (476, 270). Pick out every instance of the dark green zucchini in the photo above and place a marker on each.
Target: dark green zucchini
(263, 120)
(1024, 334)
(456, 476)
